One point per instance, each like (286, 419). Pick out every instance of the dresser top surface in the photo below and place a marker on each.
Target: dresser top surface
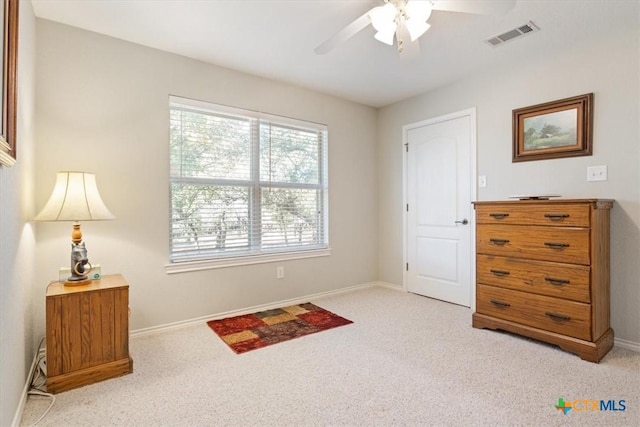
(110, 281)
(600, 203)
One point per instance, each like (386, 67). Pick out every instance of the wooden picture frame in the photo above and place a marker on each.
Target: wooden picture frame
(553, 130)
(8, 143)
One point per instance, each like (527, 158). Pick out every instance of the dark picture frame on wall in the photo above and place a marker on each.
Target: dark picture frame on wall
(8, 142)
(557, 129)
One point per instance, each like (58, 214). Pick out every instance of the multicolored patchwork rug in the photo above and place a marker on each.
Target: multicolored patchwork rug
(251, 331)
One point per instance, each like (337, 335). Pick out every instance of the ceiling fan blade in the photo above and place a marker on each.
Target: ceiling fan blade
(479, 7)
(343, 35)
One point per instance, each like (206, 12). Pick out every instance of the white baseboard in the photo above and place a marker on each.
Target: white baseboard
(23, 398)
(390, 286)
(629, 345)
(248, 310)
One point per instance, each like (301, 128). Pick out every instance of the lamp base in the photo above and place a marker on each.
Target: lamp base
(78, 282)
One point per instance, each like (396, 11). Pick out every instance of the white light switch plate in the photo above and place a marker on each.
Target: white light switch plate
(482, 181)
(597, 173)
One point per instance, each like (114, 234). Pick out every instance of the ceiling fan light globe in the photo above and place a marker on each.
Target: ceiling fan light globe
(418, 10)
(416, 28)
(383, 17)
(385, 37)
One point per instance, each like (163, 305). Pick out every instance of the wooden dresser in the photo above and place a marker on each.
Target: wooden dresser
(87, 333)
(542, 271)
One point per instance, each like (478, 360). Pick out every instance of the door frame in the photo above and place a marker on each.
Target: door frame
(471, 113)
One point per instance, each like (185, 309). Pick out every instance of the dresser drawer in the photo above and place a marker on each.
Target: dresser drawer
(551, 314)
(569, 245)
(567, 215)
(566, 281)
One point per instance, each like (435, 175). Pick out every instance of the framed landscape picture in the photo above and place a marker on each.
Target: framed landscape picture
(553, 130)
(9, 45)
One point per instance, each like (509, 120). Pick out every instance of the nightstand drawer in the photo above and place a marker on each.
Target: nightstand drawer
(551, 314)
(565, 281)
(569, 245)
(554, 215)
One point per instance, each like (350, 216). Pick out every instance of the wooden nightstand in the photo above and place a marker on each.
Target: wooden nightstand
(87, 333)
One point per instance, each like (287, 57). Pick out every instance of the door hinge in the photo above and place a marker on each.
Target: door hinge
(407, 266)
(407, 207)
(406, 147)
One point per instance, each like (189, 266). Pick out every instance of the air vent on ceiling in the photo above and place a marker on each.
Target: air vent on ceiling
(520, 31)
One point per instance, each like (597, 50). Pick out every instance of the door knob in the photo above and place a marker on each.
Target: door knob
(463, 222)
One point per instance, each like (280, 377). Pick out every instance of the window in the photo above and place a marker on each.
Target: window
(244, 183)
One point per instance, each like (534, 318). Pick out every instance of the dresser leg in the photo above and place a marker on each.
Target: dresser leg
(592, 352)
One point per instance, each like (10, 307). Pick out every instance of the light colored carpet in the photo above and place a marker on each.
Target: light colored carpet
(406, 360)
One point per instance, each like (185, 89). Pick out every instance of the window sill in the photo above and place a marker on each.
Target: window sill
(187, 266)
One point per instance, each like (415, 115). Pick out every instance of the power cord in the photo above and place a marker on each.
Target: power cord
(35, 392)
(39, 380)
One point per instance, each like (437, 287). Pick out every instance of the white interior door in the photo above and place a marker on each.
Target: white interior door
(439, 183)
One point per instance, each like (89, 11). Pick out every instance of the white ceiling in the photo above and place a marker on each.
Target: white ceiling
(276, 38)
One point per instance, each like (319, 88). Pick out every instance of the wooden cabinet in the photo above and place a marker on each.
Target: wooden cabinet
(87, 333)
(542, 271)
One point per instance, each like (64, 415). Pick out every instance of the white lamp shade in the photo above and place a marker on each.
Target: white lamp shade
(75, 197)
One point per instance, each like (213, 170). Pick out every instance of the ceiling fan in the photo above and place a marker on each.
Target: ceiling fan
(406, 20)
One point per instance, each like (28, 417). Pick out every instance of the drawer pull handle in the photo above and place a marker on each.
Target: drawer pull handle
(555, 245)
(557, 282)
(498, 215)
(556, 217)
(558, 317)
(500, 303)
(499, 272)
(499, 242)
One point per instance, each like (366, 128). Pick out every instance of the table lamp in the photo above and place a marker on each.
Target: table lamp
(75, 197)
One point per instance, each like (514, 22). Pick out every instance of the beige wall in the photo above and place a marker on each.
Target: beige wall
(103, 107)
(610, 69)
(17, 239)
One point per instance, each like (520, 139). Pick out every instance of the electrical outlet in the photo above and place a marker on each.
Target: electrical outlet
(280, 272)
(482, 181)
(597, 173)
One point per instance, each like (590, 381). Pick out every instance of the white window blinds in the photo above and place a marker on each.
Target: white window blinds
(244, 183)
